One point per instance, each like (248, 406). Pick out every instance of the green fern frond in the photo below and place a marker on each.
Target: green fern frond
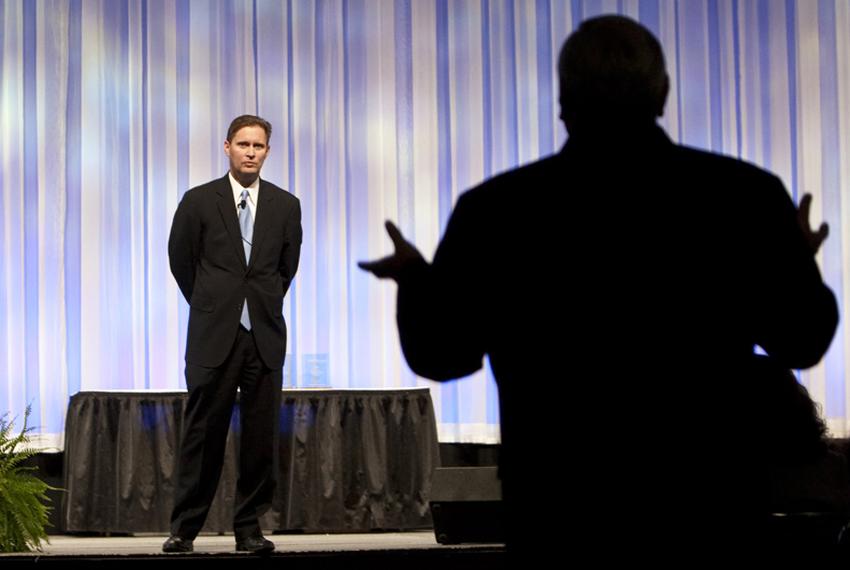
(24, 510)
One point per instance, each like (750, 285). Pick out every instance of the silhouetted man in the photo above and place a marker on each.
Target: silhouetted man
(234, 250)
(618, 289)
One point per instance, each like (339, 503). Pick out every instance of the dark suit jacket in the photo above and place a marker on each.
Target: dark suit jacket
(618, 288)
(208, 261)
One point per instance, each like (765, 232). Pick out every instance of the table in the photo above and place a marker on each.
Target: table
(349, 460)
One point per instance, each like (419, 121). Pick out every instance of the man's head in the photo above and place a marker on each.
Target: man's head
(247, 146)
(611, 72)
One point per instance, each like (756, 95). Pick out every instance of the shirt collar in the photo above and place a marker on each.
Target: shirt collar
(253, 189)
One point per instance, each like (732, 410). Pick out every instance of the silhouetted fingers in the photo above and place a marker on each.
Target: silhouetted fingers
(394, 265)
(395, 235)
(822, 233)
(815, 238)
(380, 268)
(805, 206)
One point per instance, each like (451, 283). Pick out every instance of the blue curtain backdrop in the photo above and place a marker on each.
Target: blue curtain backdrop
(111, 109)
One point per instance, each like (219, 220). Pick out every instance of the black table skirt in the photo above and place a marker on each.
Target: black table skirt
(348, 461)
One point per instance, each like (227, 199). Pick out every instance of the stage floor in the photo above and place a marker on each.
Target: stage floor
(147, 545)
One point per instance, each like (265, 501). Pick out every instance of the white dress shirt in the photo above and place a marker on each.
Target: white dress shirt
(253, 194)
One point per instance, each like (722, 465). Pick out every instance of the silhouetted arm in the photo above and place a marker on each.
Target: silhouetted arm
(798, 313)
(439, 311)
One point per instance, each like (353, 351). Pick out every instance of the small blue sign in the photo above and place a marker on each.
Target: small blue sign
(315, 371)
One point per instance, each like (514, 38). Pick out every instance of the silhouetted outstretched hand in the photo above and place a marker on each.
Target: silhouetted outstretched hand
(393, 266)
(814, 239)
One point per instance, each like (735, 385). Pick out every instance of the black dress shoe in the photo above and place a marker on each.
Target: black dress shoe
(254, 545)
(177, 544)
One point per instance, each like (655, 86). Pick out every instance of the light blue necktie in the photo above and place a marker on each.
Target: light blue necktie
(246, 225)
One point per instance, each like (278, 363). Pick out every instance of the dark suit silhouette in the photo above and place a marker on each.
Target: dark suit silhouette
(647, 273)
(618, 289)
(208, 261)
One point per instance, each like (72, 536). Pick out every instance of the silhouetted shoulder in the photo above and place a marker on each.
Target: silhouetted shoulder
(517, 183)
(714, 165)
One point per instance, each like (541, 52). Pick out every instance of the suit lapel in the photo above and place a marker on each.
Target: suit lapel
(264, 218)
(227, 209)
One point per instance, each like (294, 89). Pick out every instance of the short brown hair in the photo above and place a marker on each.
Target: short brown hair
(243, 121)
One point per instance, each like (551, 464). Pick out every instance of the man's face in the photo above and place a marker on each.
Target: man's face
(247, 151)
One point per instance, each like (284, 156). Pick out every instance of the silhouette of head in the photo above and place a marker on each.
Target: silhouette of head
(612, 73)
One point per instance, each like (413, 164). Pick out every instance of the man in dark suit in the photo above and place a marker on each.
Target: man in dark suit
(234, 249)
(618, 289)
